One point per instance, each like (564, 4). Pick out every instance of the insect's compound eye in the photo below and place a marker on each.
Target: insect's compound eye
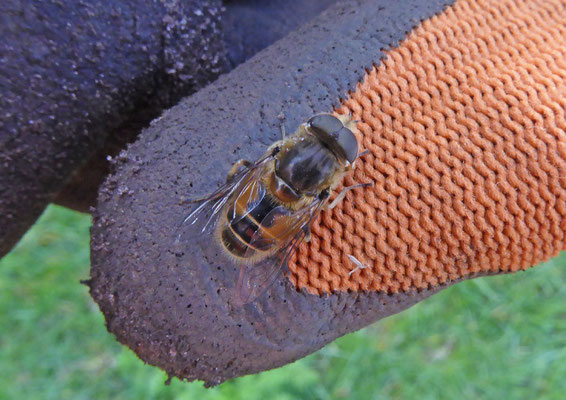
(347, 140)
(335, 135)
(325, 124)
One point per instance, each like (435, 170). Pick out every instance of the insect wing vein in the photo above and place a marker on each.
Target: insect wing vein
(254, 279)
(203, 218)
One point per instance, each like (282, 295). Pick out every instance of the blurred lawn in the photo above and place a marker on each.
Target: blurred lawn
(493, 338)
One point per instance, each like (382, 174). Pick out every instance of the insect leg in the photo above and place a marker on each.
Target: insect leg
(357, 263)
(281, 118)
(238, 166)
(340, 196)
(307, 238)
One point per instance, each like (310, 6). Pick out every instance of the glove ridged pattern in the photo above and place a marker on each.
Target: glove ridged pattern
(465, 123)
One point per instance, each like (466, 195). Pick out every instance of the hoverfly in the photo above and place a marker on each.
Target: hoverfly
(264, 211)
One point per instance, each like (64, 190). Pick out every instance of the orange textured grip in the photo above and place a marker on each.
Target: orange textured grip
(465, 122)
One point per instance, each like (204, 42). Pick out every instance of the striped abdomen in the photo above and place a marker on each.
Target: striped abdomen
(255, 224)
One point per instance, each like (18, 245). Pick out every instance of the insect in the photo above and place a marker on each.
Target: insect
(264, 211)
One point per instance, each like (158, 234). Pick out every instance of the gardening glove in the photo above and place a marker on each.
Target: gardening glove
(460, 105)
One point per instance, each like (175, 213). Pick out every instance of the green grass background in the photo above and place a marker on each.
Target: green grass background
(492, 338)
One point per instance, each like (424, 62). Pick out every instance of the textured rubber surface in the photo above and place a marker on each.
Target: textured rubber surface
(466, 126)
(246, 28)
(252, 25)
(173, 304)
(71, 72)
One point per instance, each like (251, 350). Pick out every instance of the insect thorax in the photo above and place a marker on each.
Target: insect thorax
(307, 166)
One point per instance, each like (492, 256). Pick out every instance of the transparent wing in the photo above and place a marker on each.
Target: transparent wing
(256, 277)
(203, 218)
(254, 193)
